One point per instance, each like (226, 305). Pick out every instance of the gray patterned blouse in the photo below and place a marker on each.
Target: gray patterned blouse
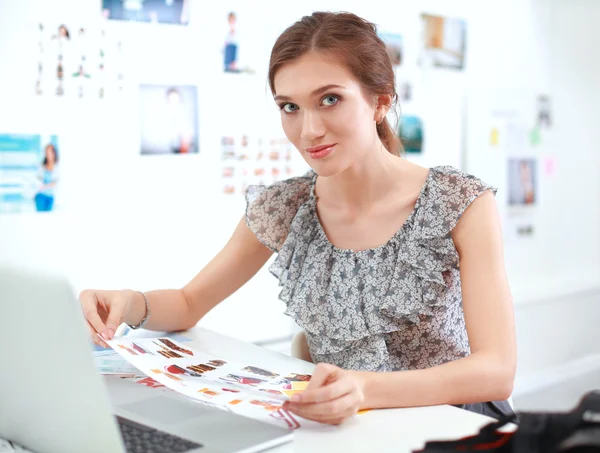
(394, 307)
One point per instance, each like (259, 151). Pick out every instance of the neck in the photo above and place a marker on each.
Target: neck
(364, 183)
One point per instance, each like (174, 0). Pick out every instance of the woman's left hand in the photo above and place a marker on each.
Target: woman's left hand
(333, 395)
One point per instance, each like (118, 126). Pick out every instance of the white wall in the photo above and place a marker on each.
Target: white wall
(154, 222)
(546, 47)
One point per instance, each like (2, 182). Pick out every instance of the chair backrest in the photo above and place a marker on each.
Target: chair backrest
(299, 347)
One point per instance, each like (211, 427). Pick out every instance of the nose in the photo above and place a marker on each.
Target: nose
(312, 126)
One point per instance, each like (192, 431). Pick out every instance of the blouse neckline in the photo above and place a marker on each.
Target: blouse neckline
(386, 244)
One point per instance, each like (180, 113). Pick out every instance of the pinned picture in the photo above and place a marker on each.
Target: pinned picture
(169, 119)
(231, 47)
(393, 46)
(443, 42)
(152, 11)
(29, 173)
(544, 120)
(76, 61)
(522, 182)
(410, 131)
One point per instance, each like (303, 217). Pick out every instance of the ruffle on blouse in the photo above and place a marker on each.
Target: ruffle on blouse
(340, 297)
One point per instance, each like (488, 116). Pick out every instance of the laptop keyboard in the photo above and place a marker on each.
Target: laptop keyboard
(143, 439)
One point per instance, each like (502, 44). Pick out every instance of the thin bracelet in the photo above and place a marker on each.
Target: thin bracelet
(144, 320)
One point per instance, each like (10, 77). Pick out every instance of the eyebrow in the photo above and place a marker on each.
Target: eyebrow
(279, 97)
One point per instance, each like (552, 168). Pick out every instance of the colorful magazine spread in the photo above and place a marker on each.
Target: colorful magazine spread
(242, 388)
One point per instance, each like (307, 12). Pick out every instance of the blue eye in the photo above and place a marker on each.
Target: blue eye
(330, 100)
(288, 107)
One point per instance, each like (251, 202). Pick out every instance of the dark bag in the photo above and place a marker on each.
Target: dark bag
(577, 431)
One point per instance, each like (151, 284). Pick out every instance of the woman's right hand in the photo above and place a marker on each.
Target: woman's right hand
(105, 311)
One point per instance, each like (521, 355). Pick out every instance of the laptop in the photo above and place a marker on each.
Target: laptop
(53, 400)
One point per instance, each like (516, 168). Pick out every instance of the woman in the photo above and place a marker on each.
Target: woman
(48, 176)
(394, 271)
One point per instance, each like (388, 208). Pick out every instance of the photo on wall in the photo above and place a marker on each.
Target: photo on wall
(152, 11)
(393, 46)
(29, 173)
(169, 119)
(522, 182)
(233, 61)
(74, 60)
(443, 42)
(410, 131)
(544, 118)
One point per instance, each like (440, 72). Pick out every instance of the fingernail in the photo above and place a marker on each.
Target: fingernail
(111, 333)
(104, 335)
(295, 398)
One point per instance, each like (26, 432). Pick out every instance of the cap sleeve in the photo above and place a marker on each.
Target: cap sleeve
(271, 209)
(448, 196)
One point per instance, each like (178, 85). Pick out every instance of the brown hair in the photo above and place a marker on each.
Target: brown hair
(355, 42)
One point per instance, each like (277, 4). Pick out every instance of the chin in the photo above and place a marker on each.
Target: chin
(325, 170)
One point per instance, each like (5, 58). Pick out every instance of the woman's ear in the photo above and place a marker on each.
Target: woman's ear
(384, 103)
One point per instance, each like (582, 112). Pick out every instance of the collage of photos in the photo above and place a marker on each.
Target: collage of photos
(169, 121)
(246, 389)
(77, 61)
(443, 42)
(249, 159)
(29, 173)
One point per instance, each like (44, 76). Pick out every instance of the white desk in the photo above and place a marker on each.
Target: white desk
(388, 430)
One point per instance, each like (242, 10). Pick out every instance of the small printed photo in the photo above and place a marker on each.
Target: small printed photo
(393, 46)
(131, 351)
(201, 368)
(298, 377)
(443, 42)
(175, 347)
(29, 173)
(208, 392)
(259, 371)
(225, 389)
(217, 362)
(272, 391)
(176, 369)
(245, 380)
(544, 120)
(140, 349)
(522, 182)
(152, 11)
(267, 405)
(169, 119)
(410, 131)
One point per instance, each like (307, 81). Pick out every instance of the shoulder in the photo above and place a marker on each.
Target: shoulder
(449, 192)
(271, 209)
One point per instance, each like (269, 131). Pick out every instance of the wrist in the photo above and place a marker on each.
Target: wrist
(136, 307)
(364, 379)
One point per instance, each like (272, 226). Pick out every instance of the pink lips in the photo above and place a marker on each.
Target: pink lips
(319, 152)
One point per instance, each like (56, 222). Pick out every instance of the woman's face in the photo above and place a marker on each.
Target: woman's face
(50, 156)
(325, 113)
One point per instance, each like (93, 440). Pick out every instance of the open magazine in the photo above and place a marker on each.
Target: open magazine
(242, 388)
